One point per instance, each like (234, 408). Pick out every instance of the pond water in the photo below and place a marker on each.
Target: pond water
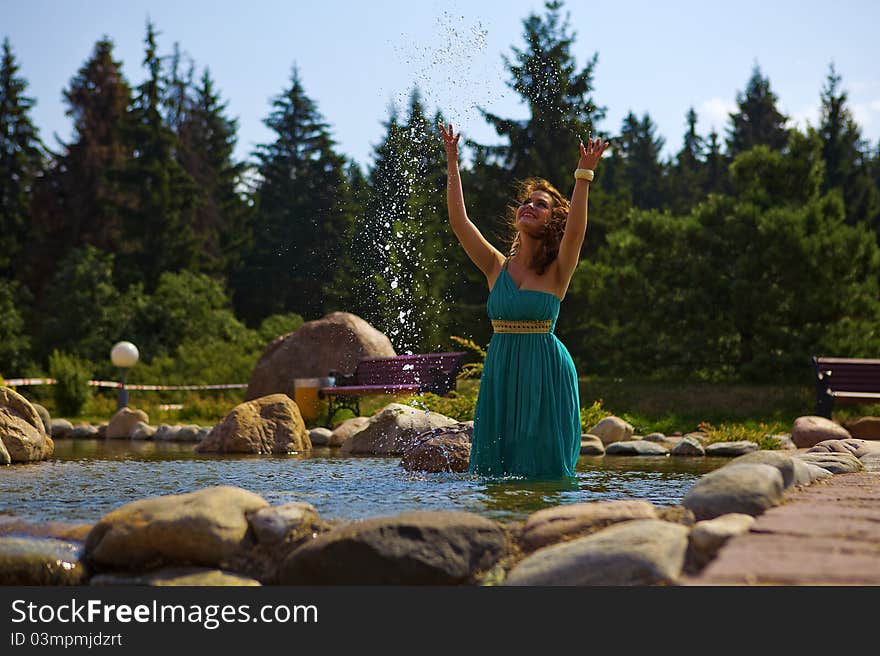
(88, 478)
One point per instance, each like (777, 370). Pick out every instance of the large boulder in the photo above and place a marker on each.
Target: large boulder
(640, 552)
(21, 429)
(612, 429)
(207, 527)
(444, 449)
(270, 424)
(122, 423)
(393, 430)
(748, 489)
(336, 342)
(570, 520)
(809, 430)
(416, 548)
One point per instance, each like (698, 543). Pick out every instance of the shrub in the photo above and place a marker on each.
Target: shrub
(593, 415)
(72, 391)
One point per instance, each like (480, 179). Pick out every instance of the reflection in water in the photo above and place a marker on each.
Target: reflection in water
(88, 478)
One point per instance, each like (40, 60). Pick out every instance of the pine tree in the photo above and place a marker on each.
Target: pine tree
(638, 168)
(561, 109)
(686, 185)
(847, 164)
(758, 121)
(207, 141)
(21, 161)
(160, 198)
(716, 166)
(300, 222)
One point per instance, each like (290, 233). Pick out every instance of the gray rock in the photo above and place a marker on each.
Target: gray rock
(809, 430)
(347, 429)
(141, 431)
(871, 462)
(659, 438)
(750, 489)
(60, 429)
(708, 536)
(782, 442)
(591, 445)
(207, 527)
(40, 561)
(273, 524)
(84, 432)
(165, 433)
(836, 463)
(688, 446)
(320, 436)
(855, 447)
(815, 472)
(45, 416)
(612, 429)
(783, 462)
(731, 449)
(443, 449)
(636, 448)
(393, 429)
(188, 433)
(638, 552)
(417, 548)
(123, 421)
(176, 576)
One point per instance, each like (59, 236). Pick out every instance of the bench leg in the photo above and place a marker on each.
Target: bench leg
(824, 402)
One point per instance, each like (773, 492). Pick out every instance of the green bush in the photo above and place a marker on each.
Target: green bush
(72, 391)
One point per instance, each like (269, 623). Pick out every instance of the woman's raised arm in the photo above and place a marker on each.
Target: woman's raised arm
(480, 251)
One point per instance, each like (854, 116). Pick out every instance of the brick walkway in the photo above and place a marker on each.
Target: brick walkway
(824, 534)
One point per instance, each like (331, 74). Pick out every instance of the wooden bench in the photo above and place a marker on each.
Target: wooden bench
(845, 380)
(403, 374)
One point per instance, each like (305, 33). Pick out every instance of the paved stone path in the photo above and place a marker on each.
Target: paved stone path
(824, 534)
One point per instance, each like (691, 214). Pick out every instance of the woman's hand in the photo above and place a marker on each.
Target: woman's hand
(450, 142)
(592, 153)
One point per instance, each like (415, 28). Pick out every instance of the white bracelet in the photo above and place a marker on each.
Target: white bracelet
(584, 174)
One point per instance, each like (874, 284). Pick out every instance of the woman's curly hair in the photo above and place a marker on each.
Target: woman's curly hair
(552, 237)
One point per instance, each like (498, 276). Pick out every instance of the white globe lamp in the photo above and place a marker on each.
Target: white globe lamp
(123, 355)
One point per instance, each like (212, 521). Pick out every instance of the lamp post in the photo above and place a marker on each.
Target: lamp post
(123, 355)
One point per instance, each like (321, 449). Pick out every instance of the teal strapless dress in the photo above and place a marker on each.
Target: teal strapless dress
(527, 419)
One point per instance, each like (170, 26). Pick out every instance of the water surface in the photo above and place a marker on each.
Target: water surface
(87, 478)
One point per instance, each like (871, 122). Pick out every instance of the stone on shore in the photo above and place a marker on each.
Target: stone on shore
(636, 448)
(274, 524)
(21, 429)
(638, 552)
(731, 449)
(320, 436)
(346, 429)
(836, 463)
(567, 521)
(416, 548)
(83, 432)
(857, 448)
(688, 446)
(270, 424)
(591, 445)
(207, 527)
(750, 489)
(45, 417)
(60, 429)
(708, 536)
(123, 421)
(5, 458)
(793, 470)
(141, 431)
(864, 428)
(176, 576)
(782, 442)
(444, 449)
(40, 561)
(393, 429)
(612, 429)
(809, 430)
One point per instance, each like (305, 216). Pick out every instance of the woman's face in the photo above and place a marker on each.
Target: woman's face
(535, 213)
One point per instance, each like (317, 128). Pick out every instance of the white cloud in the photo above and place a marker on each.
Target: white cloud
(808, 115)
(715, 113)
(866, 113)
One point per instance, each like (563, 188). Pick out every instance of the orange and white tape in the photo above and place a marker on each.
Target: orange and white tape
(16, 382)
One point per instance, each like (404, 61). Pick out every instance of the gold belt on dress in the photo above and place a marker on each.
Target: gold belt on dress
(532, 326)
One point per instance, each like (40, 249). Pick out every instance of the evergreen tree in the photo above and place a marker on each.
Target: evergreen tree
(79, 200)
(160, 197)
(847, 165)
(20, 161)
(758, 121)
(561, 109)
(687, 183)
(207, 141)
(637, 166)
(300, 221)
(716, 166)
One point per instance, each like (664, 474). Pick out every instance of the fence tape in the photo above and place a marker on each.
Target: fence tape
(16, 382)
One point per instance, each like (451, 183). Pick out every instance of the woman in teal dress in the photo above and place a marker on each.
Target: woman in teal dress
(527, 419)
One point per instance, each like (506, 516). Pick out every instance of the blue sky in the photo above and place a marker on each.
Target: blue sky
(357, 58)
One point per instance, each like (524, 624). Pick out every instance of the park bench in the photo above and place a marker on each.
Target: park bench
(845, 380)
(402, 374)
